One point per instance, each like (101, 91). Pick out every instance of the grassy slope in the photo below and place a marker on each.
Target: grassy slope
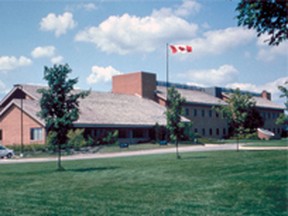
(216, 183)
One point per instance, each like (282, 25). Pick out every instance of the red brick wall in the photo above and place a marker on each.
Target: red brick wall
(10, 124)
(141, 83)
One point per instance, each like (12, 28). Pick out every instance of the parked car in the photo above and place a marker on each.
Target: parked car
(6, 152)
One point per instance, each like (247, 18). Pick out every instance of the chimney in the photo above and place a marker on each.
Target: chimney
(139, 83)
(266, 95)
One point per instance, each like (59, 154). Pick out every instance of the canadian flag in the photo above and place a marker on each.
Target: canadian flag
(180, 48)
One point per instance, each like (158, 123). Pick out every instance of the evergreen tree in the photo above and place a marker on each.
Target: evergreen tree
(59, 104)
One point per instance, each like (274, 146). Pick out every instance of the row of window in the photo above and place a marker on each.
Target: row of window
(211, 131)
(269, 115)
(212, 113)
(200, 112)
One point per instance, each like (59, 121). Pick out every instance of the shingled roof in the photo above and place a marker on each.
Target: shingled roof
(102, 108)
(120, 109)
(192, 96)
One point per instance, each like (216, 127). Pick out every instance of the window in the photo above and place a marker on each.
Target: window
(210, 131)
(224, 131)
(203, 131)
(203, 113)
(187, 112)
(210, 113)
(195, 130)
(217, 131)
(195, 112)
(36, 134)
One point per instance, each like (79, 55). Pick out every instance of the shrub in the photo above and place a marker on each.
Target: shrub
(76, 139)
(110, 138)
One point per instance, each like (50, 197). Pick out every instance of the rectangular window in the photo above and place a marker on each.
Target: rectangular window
(187, 112)
(36, 134)
(195, 112)
(210, 113)
(203, 131)
(217, 131)
(224, 131)
(203, 113)
(195, 130)
(211, 132)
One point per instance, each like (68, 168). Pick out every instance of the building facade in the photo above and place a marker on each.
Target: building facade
(133, 108)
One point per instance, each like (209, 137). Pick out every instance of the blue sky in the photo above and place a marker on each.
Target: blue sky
(99, 39)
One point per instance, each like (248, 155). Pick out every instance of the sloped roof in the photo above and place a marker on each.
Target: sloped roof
(120, 109)
(192, 96)
(102, 108)
(30, 107)
(262, 102)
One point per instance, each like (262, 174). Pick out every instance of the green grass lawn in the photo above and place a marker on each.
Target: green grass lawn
(269, 143)
(203, 183)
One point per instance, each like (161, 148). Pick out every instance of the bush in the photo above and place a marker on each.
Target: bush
(51, 141)
(30, 148)
(110, 138)
(76, 139)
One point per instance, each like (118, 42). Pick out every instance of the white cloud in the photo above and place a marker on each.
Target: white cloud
(59, 24)
(57, 59)
(3, 88)
(101, 74)
(11, 62)
(218, 41)
(85, 6)
(269, 53)
(187, 7)
(89, 6)
(46, 51)
(126, 34)
(271, 87)
(213, 77)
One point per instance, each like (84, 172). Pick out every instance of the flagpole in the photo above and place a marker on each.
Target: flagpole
(167, 71)
(167, 80)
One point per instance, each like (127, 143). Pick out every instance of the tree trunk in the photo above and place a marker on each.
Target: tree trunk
(60, 168)
(177, 151)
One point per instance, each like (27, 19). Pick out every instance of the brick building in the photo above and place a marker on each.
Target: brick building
(135, 105)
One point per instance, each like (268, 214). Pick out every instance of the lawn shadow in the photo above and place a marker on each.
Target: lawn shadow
(193, 157)
(93, 169)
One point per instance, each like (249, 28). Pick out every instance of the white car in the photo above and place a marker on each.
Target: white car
(5, 152)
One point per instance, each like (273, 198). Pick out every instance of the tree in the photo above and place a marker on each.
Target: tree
(266, 17)
(283, 118)
(59, 104)
(173, 113)
(241, 114)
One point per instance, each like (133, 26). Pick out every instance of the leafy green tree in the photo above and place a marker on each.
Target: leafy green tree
(241, 113)
(266, 17)
(283, 118)
(59, 104)
(173, 113)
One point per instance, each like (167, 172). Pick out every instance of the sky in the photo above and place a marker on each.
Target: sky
(99, 39)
